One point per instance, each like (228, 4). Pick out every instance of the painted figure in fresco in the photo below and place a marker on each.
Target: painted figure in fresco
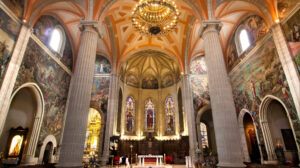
(295, 33)
(282, 8)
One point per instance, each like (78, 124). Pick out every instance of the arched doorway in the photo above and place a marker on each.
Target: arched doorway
(119, 111)
(278, 134)
(248, 132)
(92, 141)
(206, 133)
(251, 138)
(47, 153)
(25, 112)
(180, 111)
(49, 140)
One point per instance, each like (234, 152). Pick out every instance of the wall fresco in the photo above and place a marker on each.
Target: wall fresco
(291, 30)
(167, 81)
(256, 27)
(16, 6)
(100, 92)
(43, 29)
(258, 76)
(284, 7)
(132, 80)
(199, 82)
(150, 82)
(102, 65)
(53, 81)
(9, 31)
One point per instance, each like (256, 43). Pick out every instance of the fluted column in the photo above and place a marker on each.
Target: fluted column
(112, 111)
(190, 116)
(223, 110)
(272, 158)
(288, 65)
(12, 73)
(77, 115)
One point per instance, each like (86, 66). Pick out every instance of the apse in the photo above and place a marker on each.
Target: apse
(150, 118)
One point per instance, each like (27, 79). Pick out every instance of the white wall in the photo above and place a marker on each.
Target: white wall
(21, 113)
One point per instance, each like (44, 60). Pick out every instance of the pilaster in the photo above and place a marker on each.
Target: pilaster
(111, 114)
(190, 116)
(12, 73)
(288, 65)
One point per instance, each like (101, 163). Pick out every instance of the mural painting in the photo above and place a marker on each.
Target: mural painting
(199, 83)
(291, 30)
(167, 81)
(9, 31)
(40, 68)
(16, 6)
(150, 82)
(284, 7)
(43, 29)
(257, 29)
(102, 65)
(132, 80)
(100, 92)
(262, 75)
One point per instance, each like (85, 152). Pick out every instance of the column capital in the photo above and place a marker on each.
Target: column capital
(209, 25)
(87, 25)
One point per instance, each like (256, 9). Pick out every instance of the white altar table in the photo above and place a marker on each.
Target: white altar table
(150, 159)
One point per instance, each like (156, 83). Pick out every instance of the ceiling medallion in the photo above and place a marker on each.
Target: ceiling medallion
(155, 17)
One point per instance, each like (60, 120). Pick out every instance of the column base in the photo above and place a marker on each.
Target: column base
(104, 160)
(231, 165)
(270, 162)
(30, 160)
(69, 165)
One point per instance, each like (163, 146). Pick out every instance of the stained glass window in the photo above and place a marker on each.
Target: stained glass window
(244, 40)
(130, 114)
(204, 138)
(170, 115)
(149, 115)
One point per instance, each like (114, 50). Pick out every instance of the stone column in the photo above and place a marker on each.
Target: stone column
(288, 65)
(187, 101)
(11, 74)
(112, 111)
(223, 109)
(77, 115)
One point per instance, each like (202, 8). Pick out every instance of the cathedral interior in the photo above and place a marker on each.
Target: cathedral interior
(159, 82)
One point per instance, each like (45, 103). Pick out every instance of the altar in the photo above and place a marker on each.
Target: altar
(150, 159)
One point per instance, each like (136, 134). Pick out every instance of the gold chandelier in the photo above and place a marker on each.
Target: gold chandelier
(155, 17)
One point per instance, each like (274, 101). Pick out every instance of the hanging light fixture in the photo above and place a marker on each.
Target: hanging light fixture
(155, 17)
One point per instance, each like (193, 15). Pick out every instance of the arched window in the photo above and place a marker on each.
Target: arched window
(204, 138)
(149, 115)
(57, 40)
(130, 115)
(170, 115)
(244, 40)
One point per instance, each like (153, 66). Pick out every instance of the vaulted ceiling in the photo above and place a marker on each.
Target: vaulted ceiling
(120, 40)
